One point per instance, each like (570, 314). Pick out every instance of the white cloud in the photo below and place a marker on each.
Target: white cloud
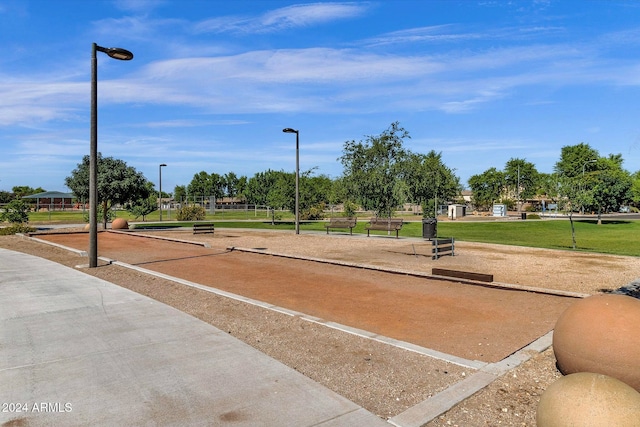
(283, 18)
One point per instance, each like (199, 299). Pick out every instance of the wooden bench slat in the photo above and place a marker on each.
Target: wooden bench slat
(480, 277)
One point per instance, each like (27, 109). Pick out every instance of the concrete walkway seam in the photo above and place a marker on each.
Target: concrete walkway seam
(437, 405)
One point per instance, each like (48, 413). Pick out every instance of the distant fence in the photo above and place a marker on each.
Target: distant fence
(47, 207)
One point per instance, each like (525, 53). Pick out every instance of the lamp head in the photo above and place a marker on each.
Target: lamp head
(116, 52)
(289, 130)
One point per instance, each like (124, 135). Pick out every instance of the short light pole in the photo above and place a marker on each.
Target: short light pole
(289, 130)
(116, 53)
(160, 195)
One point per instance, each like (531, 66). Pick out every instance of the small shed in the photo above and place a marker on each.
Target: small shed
(52, 200)
(455, 211)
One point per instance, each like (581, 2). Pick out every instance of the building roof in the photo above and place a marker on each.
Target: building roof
(50, 195)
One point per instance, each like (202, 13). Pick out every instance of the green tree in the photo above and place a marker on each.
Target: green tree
(117, 183)
(24, 190)
(487, 187)
(259, 185)
(373, 170)
(231, 184)
(609, 186)
(521, 179)
(144, 206)
(430, 180)
(179, 193)
(15, 212)
(6, 197)
(201, 185)
(635, 188)
(575, 160)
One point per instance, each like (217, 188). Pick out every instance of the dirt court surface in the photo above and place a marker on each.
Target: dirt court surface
(383, 379)
(472, 322)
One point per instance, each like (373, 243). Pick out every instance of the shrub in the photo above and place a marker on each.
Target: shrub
(350, 208)
(16, 212)
(315, 212)
(191, 213)
(16, 228)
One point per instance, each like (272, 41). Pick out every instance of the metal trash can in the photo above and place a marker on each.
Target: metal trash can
(429, 228)
(523, 215)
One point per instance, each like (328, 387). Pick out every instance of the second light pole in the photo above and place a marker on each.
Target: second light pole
(160, 195)
(289, 130)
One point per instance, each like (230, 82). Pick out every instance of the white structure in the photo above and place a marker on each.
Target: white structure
(499, 210)
(455, 211)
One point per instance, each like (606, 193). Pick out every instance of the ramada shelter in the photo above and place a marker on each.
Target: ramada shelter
(52, 200)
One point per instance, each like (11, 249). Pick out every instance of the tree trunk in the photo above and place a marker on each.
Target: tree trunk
(573, 230)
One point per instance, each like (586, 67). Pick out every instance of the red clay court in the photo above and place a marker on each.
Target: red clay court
(468, 321)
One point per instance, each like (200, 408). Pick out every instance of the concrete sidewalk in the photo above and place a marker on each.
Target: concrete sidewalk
(76, 350)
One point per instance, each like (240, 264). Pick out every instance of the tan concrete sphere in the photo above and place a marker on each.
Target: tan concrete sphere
(119, 224)
(600, 334)
(586, 399)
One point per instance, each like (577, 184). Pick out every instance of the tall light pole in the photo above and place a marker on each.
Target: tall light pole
(123, 55)
(160, 195)
(289, 130)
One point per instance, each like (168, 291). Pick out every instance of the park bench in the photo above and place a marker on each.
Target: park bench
(203, 227)
(341, 223)
(384, 224)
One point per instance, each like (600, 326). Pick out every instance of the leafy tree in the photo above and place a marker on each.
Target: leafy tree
(117, 183)
(635, 188)
(201, 185)
(602, 182)
(429, 180)
(231, 184)
(143, 207)
(373, 170)
(547, 185)
(16, 212)
(25, 190)
(487, 187)
(572, 198)
(521, 178)
(258, 187)
(575, 159)
(610, 186)
(179, 193)
(206, 185)
(6, 197)
(281, 195)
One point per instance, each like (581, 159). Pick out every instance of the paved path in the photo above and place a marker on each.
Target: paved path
(76, 350)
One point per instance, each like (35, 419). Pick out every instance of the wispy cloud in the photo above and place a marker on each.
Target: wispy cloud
(284, 18)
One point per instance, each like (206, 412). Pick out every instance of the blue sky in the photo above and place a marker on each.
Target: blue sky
(213, 83)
